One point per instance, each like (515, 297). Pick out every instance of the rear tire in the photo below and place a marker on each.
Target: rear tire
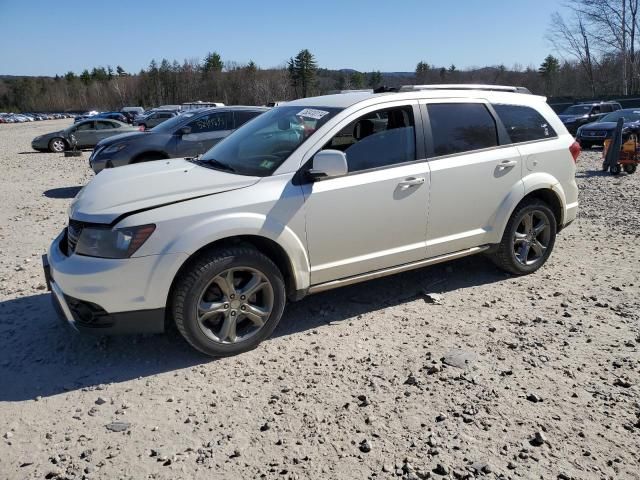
(528, 239)
(57, 145)
(228, 301)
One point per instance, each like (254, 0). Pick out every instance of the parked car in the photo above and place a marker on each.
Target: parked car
(186, 135)
(154, 119)
(577, 115)
(597, 132)
(289, 205)
(113, 116)
(87, 134)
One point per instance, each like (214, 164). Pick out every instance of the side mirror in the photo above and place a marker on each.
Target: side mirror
(328, 164)
(184, 131)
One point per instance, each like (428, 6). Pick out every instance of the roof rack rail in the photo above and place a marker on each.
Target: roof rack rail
(353, 90)
(493, 88)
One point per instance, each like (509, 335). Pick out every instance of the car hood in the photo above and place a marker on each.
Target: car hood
(117, 191)
(59, 133)
(609, 125)
(127, 136)
(570, 118)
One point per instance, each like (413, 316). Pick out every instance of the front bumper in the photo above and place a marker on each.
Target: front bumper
(107, 295)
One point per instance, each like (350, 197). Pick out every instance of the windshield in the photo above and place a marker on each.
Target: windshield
(628, 115)
(577, 110)
(168, 126)
(260, 146)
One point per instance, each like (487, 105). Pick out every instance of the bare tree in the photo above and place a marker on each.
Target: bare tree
(573, 40)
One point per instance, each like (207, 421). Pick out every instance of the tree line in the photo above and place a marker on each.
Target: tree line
(595, 47)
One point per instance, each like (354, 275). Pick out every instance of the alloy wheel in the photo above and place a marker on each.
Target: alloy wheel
(531, 237)
(235, 305)
(58, 145)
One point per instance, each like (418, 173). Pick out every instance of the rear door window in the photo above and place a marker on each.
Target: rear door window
(212, 122)
(524, 124)
(461, 127)
(243, 116)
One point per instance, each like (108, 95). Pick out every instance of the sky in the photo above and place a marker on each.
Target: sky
(53, 37)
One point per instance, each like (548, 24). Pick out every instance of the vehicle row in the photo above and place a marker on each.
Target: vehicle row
(31, 117)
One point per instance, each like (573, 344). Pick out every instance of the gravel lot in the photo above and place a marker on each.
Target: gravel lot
(353, 383)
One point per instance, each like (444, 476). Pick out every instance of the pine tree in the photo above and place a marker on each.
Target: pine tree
(549, 71)
(422, 70)
(374, 79)
(357, 80)
(213, 63)
(302, 71)
(85, 77)
(120, 71)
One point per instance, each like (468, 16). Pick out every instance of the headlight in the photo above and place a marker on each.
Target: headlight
(115, 148)
(578, 131)
(112, 243)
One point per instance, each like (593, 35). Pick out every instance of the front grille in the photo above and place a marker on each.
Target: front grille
(597, 133)
(73, 234)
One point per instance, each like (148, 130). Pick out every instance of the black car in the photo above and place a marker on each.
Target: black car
(597, 132)
(185, 135)
(577, 115)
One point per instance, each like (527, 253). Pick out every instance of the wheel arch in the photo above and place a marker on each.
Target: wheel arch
(265, 245)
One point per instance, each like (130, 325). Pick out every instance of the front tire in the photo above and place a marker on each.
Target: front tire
(528, 239)
(57, 145)
(228, 301)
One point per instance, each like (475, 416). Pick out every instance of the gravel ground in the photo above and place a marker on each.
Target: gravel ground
(360, 382)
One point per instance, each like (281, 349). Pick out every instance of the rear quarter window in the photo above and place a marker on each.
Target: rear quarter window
(524, 124)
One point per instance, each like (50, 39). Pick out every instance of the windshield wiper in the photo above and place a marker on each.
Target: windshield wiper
(216, 164)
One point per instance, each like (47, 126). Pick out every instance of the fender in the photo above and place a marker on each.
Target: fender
(212, 229)
(530, 183)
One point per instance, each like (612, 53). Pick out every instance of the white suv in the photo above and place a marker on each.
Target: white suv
(312, 195)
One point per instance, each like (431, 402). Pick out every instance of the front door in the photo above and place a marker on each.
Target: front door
(471, 176)
(85, 134)
(206, 131)
(375, 217)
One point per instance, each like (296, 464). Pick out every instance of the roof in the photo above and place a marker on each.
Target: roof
(490, 92)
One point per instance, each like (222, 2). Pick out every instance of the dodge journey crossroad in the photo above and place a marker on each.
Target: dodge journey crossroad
(312, 195)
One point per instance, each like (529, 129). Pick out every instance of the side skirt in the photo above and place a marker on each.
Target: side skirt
(321, 287)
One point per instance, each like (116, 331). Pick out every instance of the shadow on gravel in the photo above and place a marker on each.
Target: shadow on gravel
(63, 192)
(41, 356)
(30, 153)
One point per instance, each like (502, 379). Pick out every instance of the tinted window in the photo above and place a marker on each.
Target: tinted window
(244, 116)
(628, 115)
(85, 126)
(211, 122)
(100, 125)
(524, 124)
(605, 108)
(461, 127)
(577, 110)
(378, 139)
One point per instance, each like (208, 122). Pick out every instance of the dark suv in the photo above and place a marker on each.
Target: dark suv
(186, 135)
(577, 115)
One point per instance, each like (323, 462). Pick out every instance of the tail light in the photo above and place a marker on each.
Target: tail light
(575, 150)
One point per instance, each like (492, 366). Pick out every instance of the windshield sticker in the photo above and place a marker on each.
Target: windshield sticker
(312, 113)
(268, 164)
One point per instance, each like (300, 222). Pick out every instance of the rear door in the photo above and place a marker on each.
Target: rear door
(105, 129)
(473, 171)
(206, 131)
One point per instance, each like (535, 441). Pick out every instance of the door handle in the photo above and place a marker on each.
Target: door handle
(507, 164)
(411, 182)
